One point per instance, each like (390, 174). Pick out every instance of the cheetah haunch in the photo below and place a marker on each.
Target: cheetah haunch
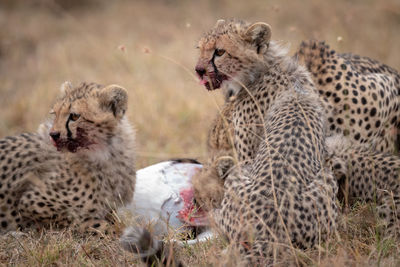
(361, 95)
(77, 176)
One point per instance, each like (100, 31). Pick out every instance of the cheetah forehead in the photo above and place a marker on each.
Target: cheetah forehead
(223, 28)
(223, 41)
(84, 90)
(85, 96)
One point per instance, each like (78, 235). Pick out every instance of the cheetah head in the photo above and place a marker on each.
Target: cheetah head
(230, 54)
(86, 117)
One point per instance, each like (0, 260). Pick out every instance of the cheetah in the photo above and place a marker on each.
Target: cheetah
(75, 169)
(361, 95)
(278, 193)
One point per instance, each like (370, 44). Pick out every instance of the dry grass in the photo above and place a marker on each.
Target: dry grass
(55, 248)
(149, 48)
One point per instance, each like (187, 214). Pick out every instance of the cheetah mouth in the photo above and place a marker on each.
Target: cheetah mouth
(74, 144)
(212, 80)
(191, 213)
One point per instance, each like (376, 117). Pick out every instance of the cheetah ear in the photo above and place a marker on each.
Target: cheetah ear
(65, 87)
(258, 34)
(219, 23)
(114, 98)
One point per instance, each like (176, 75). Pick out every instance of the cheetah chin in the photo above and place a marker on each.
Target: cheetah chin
(212, 80)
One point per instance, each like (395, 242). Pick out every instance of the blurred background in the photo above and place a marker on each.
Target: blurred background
(148, 47)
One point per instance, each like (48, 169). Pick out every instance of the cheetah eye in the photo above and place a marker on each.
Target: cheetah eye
(52, 112)
(219, 52)
(74, 116)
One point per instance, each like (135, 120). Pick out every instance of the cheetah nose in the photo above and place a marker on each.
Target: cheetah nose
(200, 71)
(55, 135)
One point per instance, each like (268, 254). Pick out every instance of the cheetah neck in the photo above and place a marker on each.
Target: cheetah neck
(122, 144)
(265, 70)
(278, 62)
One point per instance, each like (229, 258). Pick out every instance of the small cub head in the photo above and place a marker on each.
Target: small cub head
(230, 51)
(86, 116)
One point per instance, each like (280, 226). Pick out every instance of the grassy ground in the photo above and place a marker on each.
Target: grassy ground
(149, 48)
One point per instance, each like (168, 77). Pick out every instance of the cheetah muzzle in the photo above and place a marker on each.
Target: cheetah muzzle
(211, 80)
(82, 141)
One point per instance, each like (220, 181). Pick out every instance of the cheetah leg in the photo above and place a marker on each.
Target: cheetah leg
(38, 208)
(10, 194)
(369, 176)
(41, 205)
(389, 212)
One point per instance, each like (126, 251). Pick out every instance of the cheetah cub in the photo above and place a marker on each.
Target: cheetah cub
(76, 168)
(277, 195)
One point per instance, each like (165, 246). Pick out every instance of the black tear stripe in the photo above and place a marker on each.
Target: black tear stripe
(213, 64)
(69, 133)
(113, 107)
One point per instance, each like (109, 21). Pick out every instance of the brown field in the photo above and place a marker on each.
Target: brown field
(148, 47)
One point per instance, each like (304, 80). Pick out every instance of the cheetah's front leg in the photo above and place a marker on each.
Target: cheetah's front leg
(43, 207)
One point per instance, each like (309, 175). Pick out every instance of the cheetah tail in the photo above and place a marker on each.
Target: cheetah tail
(141, 242)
